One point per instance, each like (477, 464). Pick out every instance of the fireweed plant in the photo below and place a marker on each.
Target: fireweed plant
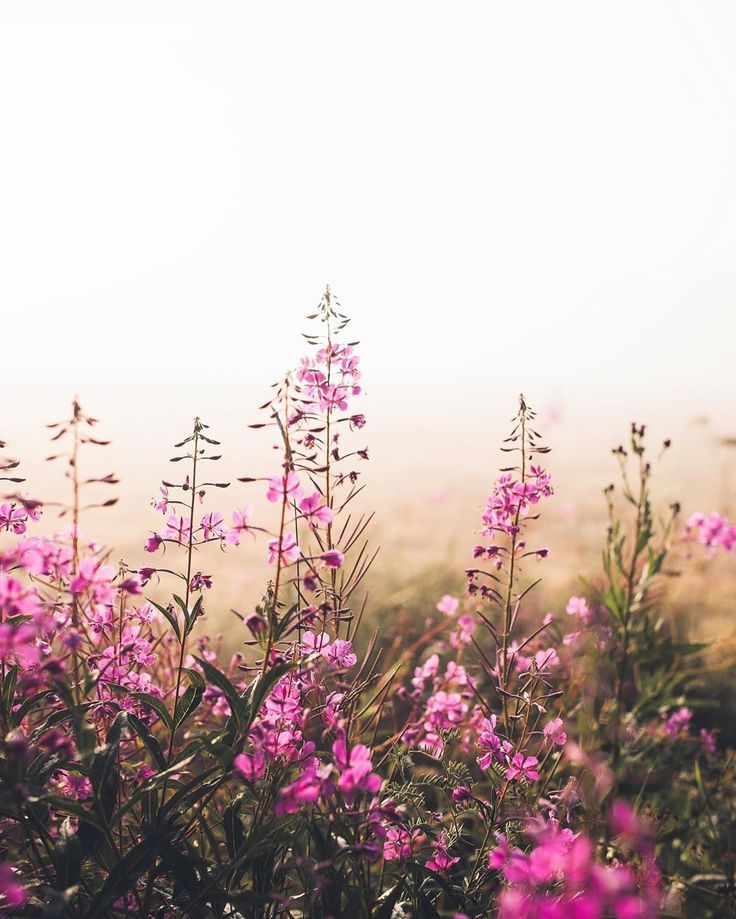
(498, 764)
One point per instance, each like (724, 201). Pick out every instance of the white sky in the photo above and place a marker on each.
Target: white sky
(536, 196)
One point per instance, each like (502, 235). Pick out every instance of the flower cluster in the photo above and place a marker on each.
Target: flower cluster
(478, 761)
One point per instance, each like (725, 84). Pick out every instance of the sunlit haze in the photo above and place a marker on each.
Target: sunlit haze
(503, 197)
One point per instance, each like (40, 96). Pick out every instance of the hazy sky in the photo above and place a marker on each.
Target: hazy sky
(536, 196)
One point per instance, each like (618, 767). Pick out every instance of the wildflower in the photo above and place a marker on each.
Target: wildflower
(355, 767)
(212, 526)
(74, 786)
(448, 605)
(464, 632)
(201, 581)
(333, 558)
(12, 892)
(315, 511)
(152, 545)
(256, 624)
(285, 550)
(311, 643)
(95, 577)
(578, 606)
(286, 486)
(712, 532)
(13, 518)
(162, 504)
(178, 529)
(523, 767)
(241, 524)
(708, 741)
(441, 862)
(498, 857)
(399, 844)
(340, 654)
(490, 742)
(678, 724)
(554, 732)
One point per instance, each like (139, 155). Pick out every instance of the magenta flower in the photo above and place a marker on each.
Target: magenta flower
(241, 524)
(333, 558)
(178, 529)
(285, 550)
(13, 518)
(448, 605)
(95, 577)
(212, 527)
(201, 581)
(153, 543)
(284, 486)
(312, 643)
(315, 511)
(340, 654)
(522, 767)
(355, 767)
(162, 504)
(399, 844)
(498, 857)
(441, 862)
(12, 893)
(554, 732)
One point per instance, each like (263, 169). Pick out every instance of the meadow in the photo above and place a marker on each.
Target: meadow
(454, 742)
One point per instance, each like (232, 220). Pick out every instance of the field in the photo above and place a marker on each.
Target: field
(254, 713)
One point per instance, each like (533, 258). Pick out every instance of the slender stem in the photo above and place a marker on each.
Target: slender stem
(182, 650)
(509, 604)
(279, 553)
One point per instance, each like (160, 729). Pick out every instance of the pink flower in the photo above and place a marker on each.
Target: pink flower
(201, 581)
(13, 518)
(332, 558)
(162, 504)
(464, 632)
(441, 861)
(286, 486)
(212, 526)
(448, 605)
(490, 742)
(12, 893)
(312, 643)
(355, 767)
(678, 724)
(95, 577)
(315, 511)
(340, 655)
(578, 606)
(75, 786)
(399, 844)
(498, 857)
(285, 550)
(522, 767)
(708, 741)
(241, 524)
(178, 529)
(554, 732)
(153, 543)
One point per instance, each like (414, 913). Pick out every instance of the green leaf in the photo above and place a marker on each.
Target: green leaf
(191, 699)
(127, 871)
(104, 773)
(234, 832)
(218, 679)
(28, 705)
(148, 739)
(156, 704)
(167, 614)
